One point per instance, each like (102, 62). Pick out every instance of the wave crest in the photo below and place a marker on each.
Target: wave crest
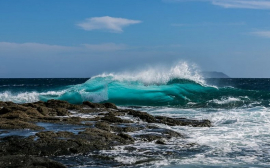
(158, 75)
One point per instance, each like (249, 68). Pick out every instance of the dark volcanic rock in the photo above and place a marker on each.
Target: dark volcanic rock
(103, 130)
(110, 105)
(62, 112)
(11, 108)
(103, 125)
(105, 136)
(2, 104)
(149, 137)
(93, 105)
(52, 143)
(126, 136)
(110, 117)
(161, 142)
(17, 124)
(43, 110)
(61, 104)
(16, 161)
(143, 116)
(126, 128)
(183, 122)
(158, 134)
(15, 115)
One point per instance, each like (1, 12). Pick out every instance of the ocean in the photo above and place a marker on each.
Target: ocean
(239, 109)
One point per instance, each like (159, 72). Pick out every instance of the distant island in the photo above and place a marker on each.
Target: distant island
(214, 74)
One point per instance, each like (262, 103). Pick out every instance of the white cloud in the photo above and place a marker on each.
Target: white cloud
(106, 47)
(107, 23)
(248, 4)
(6, 46)
(265, 34)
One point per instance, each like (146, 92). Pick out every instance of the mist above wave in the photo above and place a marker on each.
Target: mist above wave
(158, 74)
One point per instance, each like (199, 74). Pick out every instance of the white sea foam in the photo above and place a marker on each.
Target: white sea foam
(238, 136)
(226, 100)
(160, 75)
(26, 97)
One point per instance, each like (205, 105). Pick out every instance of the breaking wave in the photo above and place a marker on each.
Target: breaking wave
(181, 86)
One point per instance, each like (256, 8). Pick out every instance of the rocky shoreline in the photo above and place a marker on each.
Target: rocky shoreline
(56, 129)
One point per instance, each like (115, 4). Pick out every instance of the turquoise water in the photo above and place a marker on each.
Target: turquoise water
(183, 93)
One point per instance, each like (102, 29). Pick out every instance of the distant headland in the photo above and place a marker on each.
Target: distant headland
(214, 74)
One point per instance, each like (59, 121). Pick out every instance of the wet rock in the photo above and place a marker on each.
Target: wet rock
(51, 134)
(110, 105)
(183, 122)
(143, 116)
(2, 104)
(170, 133)
(87, 110)
(51, 119)
(127, 128)
(157, 134)
(51, 143)
(65, 134)
(110, 117)
(44, 146)
(19, 111)
(17, 124)
(47, 134)
(5, 110)
(43, 110)
(126, 136)
(105, 137)
(161, 142)
(79, 121)
(15, 145)
(34, 113)
(103, 125)
(28, 162)
(132, 129)
(93, 105)
(60, 104)
(9, 109)
(39, 103)
(15, 115)
(33, 105)
(115, 113)
(101, 132)
(130, 148)
(73, 120)
(148, 137)
(62, 112)
(9, 103)
(167, 120)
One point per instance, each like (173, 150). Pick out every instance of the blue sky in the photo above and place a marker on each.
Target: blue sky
(82, 38)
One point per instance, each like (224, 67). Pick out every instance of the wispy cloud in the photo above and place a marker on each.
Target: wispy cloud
(248, 4)
(45, 48)
(32, 47)
(265, 34)
(106, 23)
(106, 47)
